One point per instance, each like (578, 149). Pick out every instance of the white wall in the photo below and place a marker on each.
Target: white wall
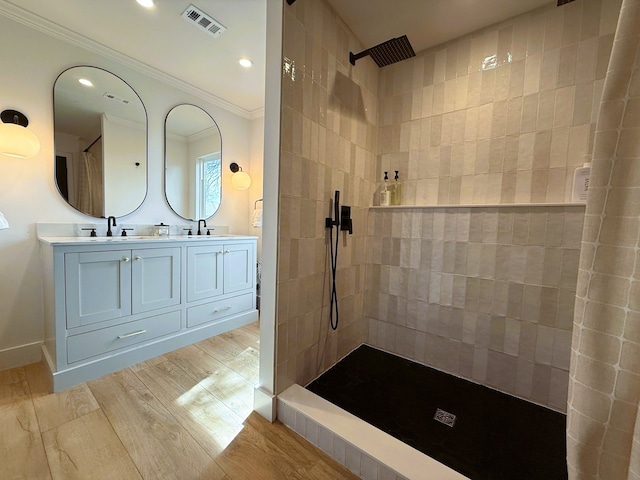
(255, 169)
(124, 147)
(28, 194)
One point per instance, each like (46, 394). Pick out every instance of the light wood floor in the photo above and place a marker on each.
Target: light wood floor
(184, 415)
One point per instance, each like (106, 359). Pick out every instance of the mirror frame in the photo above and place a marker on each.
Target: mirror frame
(214, 124)
(146, 140)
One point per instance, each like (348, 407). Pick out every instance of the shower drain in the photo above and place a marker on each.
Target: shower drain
(447, 418)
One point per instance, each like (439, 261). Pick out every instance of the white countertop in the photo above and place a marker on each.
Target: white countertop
(139, 239)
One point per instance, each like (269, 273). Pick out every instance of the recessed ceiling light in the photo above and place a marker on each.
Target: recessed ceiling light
(245, 62)
(145, 3)
(85, 82)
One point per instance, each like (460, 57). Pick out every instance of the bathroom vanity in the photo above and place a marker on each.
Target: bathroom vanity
(113, 302)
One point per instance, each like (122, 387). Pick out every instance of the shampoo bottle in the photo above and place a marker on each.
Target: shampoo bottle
(385, 193)
(581, 183)
(396, 198)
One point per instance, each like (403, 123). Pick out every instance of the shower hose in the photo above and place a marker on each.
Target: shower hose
(333, 320)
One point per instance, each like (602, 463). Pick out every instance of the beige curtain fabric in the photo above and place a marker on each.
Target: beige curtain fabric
(603, 423)
(88, 194)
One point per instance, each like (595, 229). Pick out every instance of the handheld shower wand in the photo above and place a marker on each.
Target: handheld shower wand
(341, 222)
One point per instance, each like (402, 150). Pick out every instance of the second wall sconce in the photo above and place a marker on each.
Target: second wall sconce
(240, 180)
(15, 139)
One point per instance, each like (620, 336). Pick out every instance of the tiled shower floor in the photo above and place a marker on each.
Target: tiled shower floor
(495, 436)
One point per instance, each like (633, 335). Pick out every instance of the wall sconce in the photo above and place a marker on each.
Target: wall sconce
(15, 139)
(240, 180)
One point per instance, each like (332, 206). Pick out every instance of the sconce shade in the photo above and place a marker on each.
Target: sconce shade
(240, 180)
(15, 139)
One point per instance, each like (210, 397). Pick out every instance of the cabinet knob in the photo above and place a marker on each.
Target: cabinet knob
(126, 259)
(219, 252)
(227, 251)
(137, 258)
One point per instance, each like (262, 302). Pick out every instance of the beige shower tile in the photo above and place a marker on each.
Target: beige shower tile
(502, 371)
(544, 345)
(515, 300)
(500, 298)
(524, 378)
(546, 110)
(559, 147)
(529, 113)
(516, 85)
(485, 295)
(541, 383)
(508, 191)
(567, 65)
(564, 106)
(561, 349)
(480, 356)
(523, 186)
(511, 336)
(517, 264)
(582, 103)
(552, 269)
(528, 340)
(531, 303)
(549, 69)
(514, 115)
(558, 389)
(566, 302)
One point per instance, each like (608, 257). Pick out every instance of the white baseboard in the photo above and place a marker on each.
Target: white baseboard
(264, 403)
(22, 355)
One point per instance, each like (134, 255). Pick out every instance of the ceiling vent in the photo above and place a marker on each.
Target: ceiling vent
(204, 21)
(111, 96)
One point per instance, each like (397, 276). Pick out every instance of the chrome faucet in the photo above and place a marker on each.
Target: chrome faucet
(109, 232)
(205, 225)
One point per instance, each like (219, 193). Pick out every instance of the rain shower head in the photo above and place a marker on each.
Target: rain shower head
(391, 51)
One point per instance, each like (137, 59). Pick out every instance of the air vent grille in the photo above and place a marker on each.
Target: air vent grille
(115, 98)
(203, 21)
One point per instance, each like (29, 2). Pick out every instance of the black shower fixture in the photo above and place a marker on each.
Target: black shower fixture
(560, 2)
(391, 51)
(290, 2)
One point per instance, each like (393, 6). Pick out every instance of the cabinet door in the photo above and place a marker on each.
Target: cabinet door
(155, 278)
(204, 272)
(239, 267)
(97, 286)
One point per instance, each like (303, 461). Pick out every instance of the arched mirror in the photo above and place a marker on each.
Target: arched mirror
(100, 134)
(193, 163)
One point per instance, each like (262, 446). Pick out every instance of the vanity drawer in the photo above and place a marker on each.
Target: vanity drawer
(215, 310)
(97, 342)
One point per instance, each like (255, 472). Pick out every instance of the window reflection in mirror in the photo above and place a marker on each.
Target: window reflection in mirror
(193, 162)
(100, 135)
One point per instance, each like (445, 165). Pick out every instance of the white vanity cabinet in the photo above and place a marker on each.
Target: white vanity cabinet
(112, 303)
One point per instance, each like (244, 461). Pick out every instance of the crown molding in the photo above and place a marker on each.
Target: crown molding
(52, 29)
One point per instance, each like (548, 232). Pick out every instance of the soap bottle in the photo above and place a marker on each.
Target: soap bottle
(385, 193)
(396, 198)
(581, 183)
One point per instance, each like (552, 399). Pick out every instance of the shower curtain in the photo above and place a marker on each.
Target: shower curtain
(603, 421)
(88, 191)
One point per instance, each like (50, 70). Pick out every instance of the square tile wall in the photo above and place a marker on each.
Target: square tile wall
(503, 115)
(483, 293)
(328, 142)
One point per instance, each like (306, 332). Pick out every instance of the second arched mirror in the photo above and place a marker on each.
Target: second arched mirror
(192, 161)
